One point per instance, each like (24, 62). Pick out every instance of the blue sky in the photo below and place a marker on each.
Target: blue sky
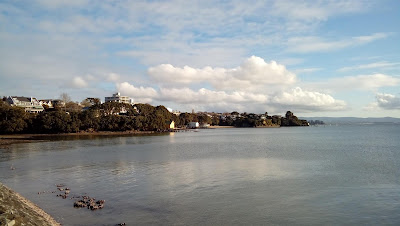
(315, 58)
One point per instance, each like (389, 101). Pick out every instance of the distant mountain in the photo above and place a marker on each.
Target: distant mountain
(353, 120)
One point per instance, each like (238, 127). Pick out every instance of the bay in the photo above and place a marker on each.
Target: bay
(342, 175)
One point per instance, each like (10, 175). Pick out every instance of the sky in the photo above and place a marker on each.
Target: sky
(314, 58)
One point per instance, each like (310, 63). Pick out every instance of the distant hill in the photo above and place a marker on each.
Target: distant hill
(353, 120)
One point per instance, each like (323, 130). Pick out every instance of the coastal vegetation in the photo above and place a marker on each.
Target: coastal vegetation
(114, 116)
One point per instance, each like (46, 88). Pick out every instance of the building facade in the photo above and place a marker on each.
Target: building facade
(193, 125)
(116, 97)
(30, 104)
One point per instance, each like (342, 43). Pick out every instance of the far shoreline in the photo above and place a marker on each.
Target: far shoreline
(8, 139)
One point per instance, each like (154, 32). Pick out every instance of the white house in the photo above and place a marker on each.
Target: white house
(52, 103)
(116, 97)
(30, 104)
(193, 125)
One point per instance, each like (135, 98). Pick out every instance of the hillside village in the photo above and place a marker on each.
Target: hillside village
(119, 113)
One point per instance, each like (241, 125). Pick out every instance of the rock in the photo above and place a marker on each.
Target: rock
(79, 204)
(11, 223)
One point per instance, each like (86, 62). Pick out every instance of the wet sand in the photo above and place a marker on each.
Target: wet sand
(16, 210)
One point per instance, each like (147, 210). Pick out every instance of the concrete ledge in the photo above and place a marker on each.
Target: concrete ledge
(17, 210)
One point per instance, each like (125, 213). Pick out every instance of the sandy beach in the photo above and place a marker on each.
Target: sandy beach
(16, 210)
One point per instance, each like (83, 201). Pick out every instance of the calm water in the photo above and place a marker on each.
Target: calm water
(335, 175)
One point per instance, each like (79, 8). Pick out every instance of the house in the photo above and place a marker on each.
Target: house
(116, 97)
(193, 125)
(205, 125)
(30, 104)
(47, 102)
(51, 103)
(175, 112)
(172, 125)
(93, 100)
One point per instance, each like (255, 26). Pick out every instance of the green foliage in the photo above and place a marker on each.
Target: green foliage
(90, 120)
(56, 122)
(113, 116)
(215, 120)
(12, 119)
(204, 119)
(152, 118)
(185, 118)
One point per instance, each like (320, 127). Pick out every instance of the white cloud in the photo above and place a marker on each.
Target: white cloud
(317, 44)
(363, 82)
(316, 10)
(62, 3)
(387, 101)
(79, 82)
(90, 77)
(370, 82)
(253, 72)
(113, 77)
(205, 96)
(307, 101)
(139, 94)
(211, 100)
(307, 70)
(382, 64)
(370, 38)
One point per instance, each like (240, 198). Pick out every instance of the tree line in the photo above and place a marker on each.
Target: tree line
(114, 116)
(109, 116)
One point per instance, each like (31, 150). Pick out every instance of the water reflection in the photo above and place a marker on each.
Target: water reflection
(216, 177)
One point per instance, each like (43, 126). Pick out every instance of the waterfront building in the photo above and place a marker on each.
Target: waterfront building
(29, 104)
(193, 125)
(116, 97)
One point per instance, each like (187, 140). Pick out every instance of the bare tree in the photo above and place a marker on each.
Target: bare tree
(65, 98)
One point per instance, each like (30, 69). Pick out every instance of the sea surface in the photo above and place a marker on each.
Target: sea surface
(325, 175)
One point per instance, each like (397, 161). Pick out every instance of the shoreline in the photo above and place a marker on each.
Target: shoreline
(7, 140)
(15, 209)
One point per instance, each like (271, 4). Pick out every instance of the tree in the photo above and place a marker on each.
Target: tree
(12, 119)
(90, 120)
(65, 97)
(73, 107)
(215, 120)
(90, 101)
(53, 122)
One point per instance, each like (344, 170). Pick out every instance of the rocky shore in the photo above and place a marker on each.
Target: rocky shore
(16, 210)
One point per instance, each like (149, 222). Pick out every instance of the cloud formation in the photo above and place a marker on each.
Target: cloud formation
(79, 82)
(253, 72)
(388, 101)
(139, 94)
(192, 53)
(307, 101)
(364, 82)
(255, 85)
(317, 44)
(382, 64)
